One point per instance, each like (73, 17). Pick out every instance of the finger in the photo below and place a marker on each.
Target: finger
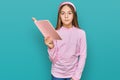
(50, 38)
(47, 38)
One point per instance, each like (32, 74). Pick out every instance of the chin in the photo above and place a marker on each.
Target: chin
(66, 23)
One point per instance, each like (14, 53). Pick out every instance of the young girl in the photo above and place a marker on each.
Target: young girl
(68, 55)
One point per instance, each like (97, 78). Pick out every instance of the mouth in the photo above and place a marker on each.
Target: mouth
(66, 20)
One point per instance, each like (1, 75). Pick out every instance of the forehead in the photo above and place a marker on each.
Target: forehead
(66, 8)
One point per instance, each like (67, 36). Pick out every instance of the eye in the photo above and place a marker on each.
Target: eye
(62, 13)
(70, 13)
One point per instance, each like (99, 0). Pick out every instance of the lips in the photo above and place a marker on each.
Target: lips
(66, 20)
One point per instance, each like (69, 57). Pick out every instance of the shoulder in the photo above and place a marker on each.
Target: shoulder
(59, 30)
(80, 31)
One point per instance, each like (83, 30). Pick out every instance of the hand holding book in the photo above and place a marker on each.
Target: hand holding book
(49, 42)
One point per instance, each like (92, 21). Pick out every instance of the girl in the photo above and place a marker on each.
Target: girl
(68, 55)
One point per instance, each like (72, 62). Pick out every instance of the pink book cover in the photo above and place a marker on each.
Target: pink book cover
(47, 29)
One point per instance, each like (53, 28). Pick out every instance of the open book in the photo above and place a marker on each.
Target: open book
(47, 29)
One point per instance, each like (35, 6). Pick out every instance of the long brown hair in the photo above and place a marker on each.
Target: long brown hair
(74, 22)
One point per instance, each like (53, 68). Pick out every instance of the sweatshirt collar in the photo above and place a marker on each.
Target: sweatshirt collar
(65, 28)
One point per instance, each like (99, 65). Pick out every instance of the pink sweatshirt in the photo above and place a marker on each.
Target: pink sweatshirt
(69, 54)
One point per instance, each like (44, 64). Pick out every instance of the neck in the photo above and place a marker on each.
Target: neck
(68, 26)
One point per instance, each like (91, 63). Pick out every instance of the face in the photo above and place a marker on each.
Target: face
(66, 15)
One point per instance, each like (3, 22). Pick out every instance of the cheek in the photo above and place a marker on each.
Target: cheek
(62, 18)
(71, 17)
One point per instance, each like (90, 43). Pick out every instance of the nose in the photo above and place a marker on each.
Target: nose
(66, 15)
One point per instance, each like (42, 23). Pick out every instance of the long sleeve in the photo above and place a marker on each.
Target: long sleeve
(53, 52)
(81, 51)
